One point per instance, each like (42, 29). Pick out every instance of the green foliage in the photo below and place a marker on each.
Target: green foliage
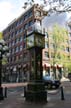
(59, 39)
(4, 61)
(59, 36)
(67, 65)
(1, 36)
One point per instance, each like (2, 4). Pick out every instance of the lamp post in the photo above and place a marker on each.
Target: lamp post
(3, 52)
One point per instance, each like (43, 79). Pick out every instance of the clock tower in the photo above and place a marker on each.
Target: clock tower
(35, 42)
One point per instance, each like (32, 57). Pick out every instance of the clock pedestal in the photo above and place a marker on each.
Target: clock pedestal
(35, 88)
(35, 91)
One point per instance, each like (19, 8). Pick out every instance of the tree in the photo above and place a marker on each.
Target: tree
(4, 61)
(59, 39)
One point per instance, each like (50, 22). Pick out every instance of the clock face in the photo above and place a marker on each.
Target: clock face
(40, 41)
(35, 40)
(30, 41)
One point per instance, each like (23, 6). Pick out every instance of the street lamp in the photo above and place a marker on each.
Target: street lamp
(3, 52)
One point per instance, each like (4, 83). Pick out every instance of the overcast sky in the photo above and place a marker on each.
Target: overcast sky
(9, 10)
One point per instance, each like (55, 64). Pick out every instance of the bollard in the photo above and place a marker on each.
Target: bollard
(5, 93)
(62, 94)
(24, 91)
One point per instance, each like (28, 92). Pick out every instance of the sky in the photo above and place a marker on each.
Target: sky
(9, 10)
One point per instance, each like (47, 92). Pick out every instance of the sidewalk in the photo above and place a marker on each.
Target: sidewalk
(53, 101)
(21, 103)
(17, 100)
(64, 79)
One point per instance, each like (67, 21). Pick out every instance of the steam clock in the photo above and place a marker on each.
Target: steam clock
(35, 42)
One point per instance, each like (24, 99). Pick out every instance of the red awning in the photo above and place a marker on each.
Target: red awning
(46, 65)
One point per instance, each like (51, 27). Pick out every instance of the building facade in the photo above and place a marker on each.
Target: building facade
(18, 65)
(48, 52)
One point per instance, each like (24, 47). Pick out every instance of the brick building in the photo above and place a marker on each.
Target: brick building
(15, 34)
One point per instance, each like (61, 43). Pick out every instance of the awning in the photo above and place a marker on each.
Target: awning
(60, 66)
(46, 65)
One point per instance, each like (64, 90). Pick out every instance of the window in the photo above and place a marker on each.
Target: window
(38, 13)
(20, 56)
(21, 47)
(17, 57)
(70, 49)
(46, 54)
(20, 39)
(67, 41)
(17, 49)
(21, 21)
(30, 13)
(25, 17)
(46, 34)
(24, 35)
(13, 43)
(12, 51)
(15, 32)
(25, 26)
(67, 49)
(30, 23)
(24, 44)
(46, 45)
(12, 35)
(9, 44)
(70, 27)
(16, 40)
(70, 41)
(17, 23)
(21, 30)
(70, 34)
(14, 58)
